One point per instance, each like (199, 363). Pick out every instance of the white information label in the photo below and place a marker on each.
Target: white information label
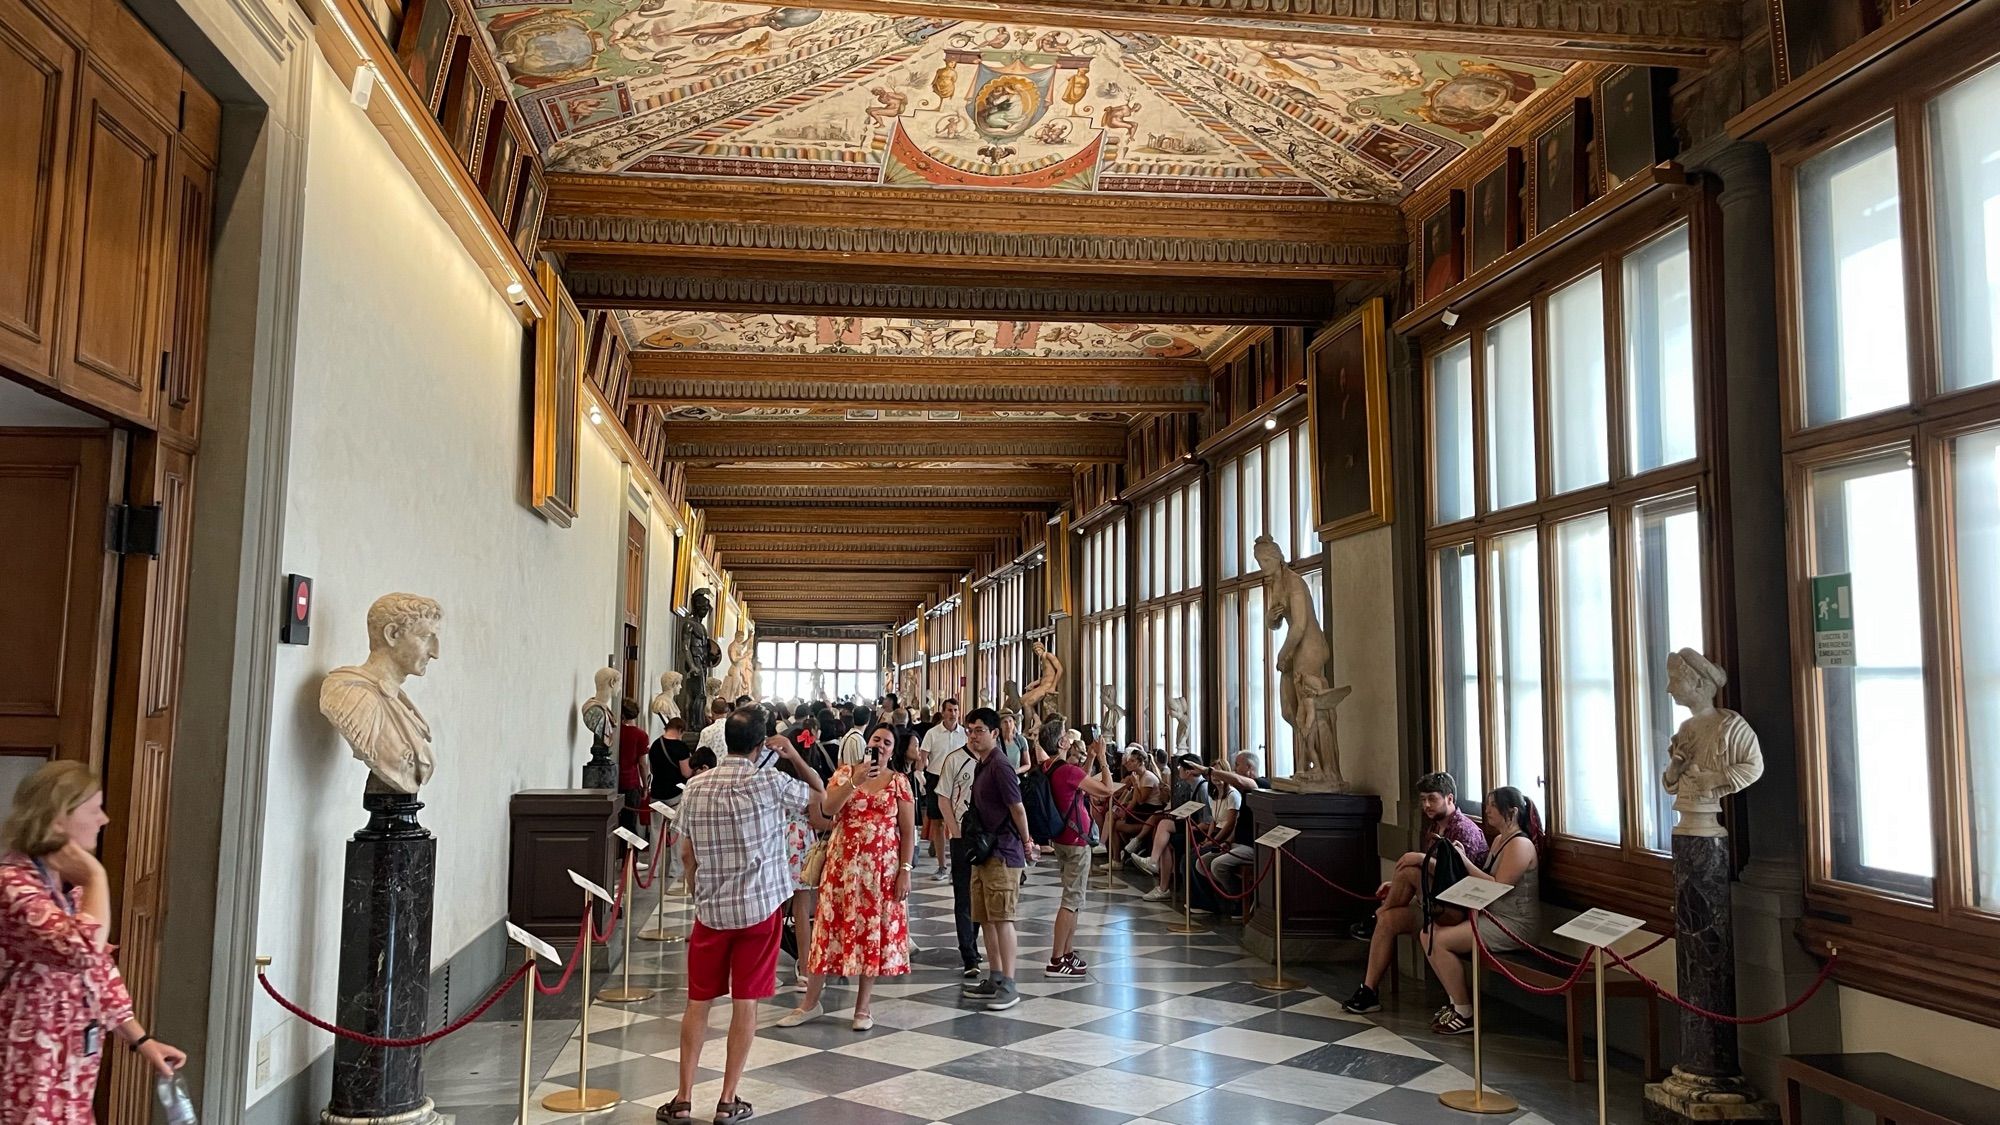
(665, 809)
(1278, 837)
(631, 837)
(1186, 810)
(587, 885)
(1598, 927)
(1475, 894)
(542, 949)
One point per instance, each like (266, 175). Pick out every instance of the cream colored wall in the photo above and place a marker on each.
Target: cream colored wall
(405, 476)
(662, 626)
(1876, 1023)
(1361, 627)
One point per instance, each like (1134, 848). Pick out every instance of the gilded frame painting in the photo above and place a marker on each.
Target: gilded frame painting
(1347, 403)
(559, 343)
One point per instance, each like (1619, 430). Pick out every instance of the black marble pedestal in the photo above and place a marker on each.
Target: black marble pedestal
(1337, 833)
(600, 772)
(385, 966)
(1707, 1083)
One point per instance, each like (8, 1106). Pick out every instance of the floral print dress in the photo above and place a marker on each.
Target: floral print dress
(862, 928)
(54, 980)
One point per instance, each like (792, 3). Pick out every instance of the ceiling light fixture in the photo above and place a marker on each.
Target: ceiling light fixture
(517, 293)
(596, 415)
(1270, 423)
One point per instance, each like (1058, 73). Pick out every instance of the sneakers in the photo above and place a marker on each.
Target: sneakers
(1097, 849)
(1363, 930)
(970, 972)
(1450, 1022)
(1145, 863)
(941, 875)
(1157, 894)
(980, 990)
(1067, 967)
(1005, 996)
(1363, 1002)
(802, 1016)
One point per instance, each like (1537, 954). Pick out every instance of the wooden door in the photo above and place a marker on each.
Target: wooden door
(184, 299)
(37, 80)
(152, 612)
(112, 261)
(632, 631)
(55, 624)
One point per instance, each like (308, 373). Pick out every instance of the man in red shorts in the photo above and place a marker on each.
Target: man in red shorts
(732, 823)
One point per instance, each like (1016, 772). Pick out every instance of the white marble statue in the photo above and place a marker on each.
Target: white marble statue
(819, 685)
(1112, 716)
(1713, 754)
(738, 679)
(600, 711)
(1177, 722)
(366, 704)
(1010, 699)
(1035, 699)
(1306, 697)
(665, 705)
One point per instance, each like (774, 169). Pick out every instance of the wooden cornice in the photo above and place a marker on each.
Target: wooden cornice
(722, 520)
(1651, 32)
(731, 543)
(687, 378)
(887, 485)
(664, 220)
(905, 558)
(998, 441)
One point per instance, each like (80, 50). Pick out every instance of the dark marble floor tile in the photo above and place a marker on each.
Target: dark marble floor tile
(1416, 1107)
(1221, 1107)
(1372, 1066)
(633, 1077)
(828, 1073)
(1012, 1069)
(1302, 1026)
(1201, 1068)
(1147, 1027)
(1112, 994)
(1033, 1109)
(832, 1111)
(648, 1038)
(991, 1030)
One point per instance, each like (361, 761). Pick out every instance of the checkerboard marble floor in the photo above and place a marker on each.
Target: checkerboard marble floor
(1166, 1029)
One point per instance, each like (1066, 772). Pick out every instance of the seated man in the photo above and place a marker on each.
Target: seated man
(1191, 784)
(1400, 912)
(1225, 865)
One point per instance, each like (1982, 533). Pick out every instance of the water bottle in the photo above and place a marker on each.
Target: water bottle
(173, 1094)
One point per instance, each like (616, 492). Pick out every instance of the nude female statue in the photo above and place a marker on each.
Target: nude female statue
(1305, 698)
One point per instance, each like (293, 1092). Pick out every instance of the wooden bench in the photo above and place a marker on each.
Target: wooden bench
(1896, 1090)
(1618, 983)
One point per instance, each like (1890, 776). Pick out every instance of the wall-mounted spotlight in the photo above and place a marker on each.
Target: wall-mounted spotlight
(1270, 423)
(1449, 318)
(596, 415)
(517, 293)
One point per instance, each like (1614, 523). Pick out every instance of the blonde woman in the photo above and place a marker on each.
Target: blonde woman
(61, 998)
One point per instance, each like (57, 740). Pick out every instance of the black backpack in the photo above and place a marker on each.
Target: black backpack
(1038, 797)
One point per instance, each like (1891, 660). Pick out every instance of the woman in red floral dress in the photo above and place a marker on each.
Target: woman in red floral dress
(863, 928)
(61, 997)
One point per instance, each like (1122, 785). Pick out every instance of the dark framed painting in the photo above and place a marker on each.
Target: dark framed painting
(1632, 118)
(559, 344)
(1444, 246)
(526, 225)
(429, 30)
(476, 93)
(1806, 33)
(1560, 169)
(1347, 405)
(497, 174)
(1493, 215)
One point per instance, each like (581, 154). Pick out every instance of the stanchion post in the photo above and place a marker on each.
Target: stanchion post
(528, 1036)
(583, 1099)
(660, 932)
(1602, 1108)
(625, 993)
(1478, 1099)
(1186, 924)
(1277, 981)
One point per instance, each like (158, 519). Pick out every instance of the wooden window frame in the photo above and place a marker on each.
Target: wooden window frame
(1183, 594)
(1629, 875)
(1107, 604)
(1942, 953)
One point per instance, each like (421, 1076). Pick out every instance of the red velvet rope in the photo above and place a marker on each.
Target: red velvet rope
(652, 869)
(1248, 889)
(1576, 974)
(1378, 896)
(492, 998)
(1558, 959)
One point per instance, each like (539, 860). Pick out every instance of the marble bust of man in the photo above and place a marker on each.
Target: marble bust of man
(600, 711)
(666, 705)
(366, 704)
(1713, 754)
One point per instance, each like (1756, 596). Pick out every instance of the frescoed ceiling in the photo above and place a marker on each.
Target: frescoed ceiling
(692, 88)
(910, 336)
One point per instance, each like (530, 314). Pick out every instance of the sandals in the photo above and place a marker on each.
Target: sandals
(737, 1110)
(675, 1112)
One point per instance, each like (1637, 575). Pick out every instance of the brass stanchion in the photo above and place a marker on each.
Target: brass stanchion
(1479, 1099)
(1277, 981)
(1602, 1109)
(583, 1099)
(625, 993)
(528, 1036)
(660, 932)
(1186, 924)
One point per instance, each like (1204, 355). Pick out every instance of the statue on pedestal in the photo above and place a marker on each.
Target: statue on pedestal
(1010, 699)
(666, 705)
(1113, 716)
(600, 718)
(1306, 697)
(366, 704)
(1177, 721)
(737, 681)
(818, 685)
(1714, 753)
(1034, 699)
(699, 653)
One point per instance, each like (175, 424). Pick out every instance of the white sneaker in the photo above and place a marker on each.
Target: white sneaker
(802, 1016)
(942, 875)
(1146, 864)
(1097, 849)
(1157, 894)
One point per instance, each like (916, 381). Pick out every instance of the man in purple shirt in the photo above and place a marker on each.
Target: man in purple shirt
(996, 882)
(1400, 912)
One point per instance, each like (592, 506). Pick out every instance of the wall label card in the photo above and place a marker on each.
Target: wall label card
(666, 810)
(1833, 620)
(589, 886)
(1188, 809)
(542, 949)
(630, 837)
(1598, 927)
(1278, 837)
(1474, 894)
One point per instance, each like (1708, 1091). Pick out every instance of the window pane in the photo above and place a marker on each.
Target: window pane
(1226, 512)
(1659, 353)
(1516, 628)
(847, 657)
(1458, 668)
(868, 658)
(1191, 682)
(1865, 524)
(1257, 666)
(1197, 535)
(1577, 449)
(1510, 411)
(1178, 542)
(1302, 486)
(1160, 547)
(807, 653)
(1976, 461)
(1253, 501)
(1666, 552)
(767, 653)
(1965, 157)
(1851, 271)
(1278, 458)
(1585, 691)
(1232, 672)
(1451, 433)
(826, 658)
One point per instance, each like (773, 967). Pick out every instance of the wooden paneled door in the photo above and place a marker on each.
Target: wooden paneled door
(632, 629)
(56, 487)
(37, 82)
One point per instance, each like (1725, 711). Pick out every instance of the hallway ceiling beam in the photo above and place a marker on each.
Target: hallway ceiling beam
(884, 519)
(954, 562)
(908, 486)
(729, 543)
(688, 378)
(1002, 442)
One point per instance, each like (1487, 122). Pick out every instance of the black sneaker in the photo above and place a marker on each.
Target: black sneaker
(1451, 1023)
(1067, 967)
(980, 991)
(970, 972)
(1363, 930)
(1362, 1002)
(1004, 996)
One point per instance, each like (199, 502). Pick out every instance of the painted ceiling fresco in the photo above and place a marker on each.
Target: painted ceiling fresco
(701, 89)
(769, 333)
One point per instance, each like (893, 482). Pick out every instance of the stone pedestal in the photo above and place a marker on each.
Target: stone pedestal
(1337, 833)
(600, 772)
(385, 966)
(1707, 1083)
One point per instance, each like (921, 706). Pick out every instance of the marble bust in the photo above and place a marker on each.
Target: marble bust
(366, 704)
(666, 705)
(1713, 754)
(600, 711)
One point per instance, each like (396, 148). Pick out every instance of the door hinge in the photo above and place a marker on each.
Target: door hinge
(135, 530)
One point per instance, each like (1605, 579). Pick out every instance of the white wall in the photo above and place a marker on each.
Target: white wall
(1876, 1023)
(407, 453)
(1361, 627)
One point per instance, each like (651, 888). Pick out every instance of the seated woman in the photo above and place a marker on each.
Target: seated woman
(863, 927)
(1134, 804)
(1515, 826)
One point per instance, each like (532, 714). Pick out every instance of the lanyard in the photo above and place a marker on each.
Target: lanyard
(55, 888)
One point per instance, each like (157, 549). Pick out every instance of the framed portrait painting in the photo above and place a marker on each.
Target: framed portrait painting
(558, 386)
(1444, 246)
(1806, 33)
(425, 48)
(1632, 118)
(529, 195)
(1494, 216)
(1561, 167)
(1347, 403)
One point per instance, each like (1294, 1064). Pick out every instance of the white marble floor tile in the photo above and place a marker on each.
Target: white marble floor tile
(1327, 1008)
(1295, 1086)
(1118, 1090)
(905, 1014)
(1086, 1047)
(1255, 1046)
(1055, 1012)
(763, 1052)
(1439, 1079)
(1204, 1010)
(1386, 1041)
(923, 1094)
(911, 1049)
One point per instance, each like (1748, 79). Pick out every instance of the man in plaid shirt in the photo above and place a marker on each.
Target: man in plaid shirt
(732, 823)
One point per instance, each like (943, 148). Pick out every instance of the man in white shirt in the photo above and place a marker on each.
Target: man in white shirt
(711, 735)
(938, 743)
(945, 745)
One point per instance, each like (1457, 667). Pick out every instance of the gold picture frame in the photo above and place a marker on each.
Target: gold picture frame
(559, 344)
(1347, 404)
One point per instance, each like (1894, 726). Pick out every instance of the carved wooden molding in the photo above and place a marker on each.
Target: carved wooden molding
(757, 541)
(911, 559)
(725, 380)
(958, 441)
(722, 519)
